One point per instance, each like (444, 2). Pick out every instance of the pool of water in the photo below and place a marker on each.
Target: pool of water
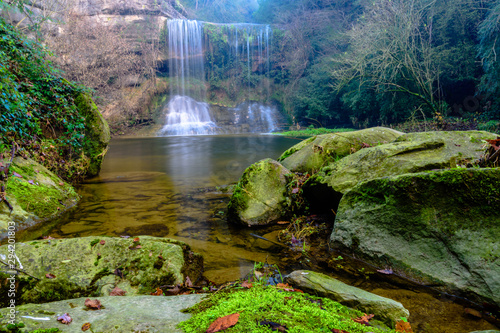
(175, 187)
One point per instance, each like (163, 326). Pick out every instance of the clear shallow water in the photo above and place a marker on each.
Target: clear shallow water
(171, 186)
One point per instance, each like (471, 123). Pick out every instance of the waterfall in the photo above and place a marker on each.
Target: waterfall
(244, 63)
(187, 113)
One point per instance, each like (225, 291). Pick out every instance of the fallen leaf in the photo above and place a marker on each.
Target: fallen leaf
(295, 190)
(160, 256)
(188, 282)
(50, 276)
(173, 291)
(223, 323)
(47, 237)
(65, 319)
(150, 253)
(61, 183)
(102, 242)
(85, 327)
(117, 292)
(387, 271)
(283, 222)
(93, 304)
(136, 239)
(158, 292)
(122, 236)
(339, 331)
(473, 313)
(246, 284)
(403, 326)
(17, 175)
(274, 326)
(31, 182)
(364, 319)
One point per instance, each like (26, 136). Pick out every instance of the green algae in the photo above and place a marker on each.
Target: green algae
(299, 312)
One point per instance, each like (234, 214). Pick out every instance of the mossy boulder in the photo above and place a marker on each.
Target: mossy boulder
(35, 193)
(384, 309)
(97, 133)
(438, 227)
(410, 153)
(260, 197)
(316, 152)
(93, 266)
(117, 314)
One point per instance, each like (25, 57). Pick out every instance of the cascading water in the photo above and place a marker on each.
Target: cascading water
(187, 115)
(247, 63)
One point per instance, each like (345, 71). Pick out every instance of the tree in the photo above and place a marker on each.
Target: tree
(391, 51)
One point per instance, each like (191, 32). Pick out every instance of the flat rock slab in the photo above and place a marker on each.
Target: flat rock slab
(118, 314)
(93, 266)
(384, 309)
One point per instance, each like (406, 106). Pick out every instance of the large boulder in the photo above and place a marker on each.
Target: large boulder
(93, 266)
(384, 309)
(35, 194)
(410, 153)
(316, 152)
(96, 133)
(260, 196)
(117, 314)
(439, 227)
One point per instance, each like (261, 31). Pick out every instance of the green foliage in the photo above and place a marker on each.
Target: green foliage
(299, 312)
(36, 103)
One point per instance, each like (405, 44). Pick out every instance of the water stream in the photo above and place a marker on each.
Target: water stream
(174, 187)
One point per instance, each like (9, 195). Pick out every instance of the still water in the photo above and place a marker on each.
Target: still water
(174, 187)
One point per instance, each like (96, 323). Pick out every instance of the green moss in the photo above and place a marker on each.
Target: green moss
(298, 312)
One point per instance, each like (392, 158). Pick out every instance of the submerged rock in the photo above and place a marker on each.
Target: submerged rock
(438, 227)
(93, 266)
(314, 153)
(384, 309)
(117, 314)
(36, 195)
(410, 153)
(260, 197)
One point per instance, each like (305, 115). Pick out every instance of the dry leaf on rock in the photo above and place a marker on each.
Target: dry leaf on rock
(102, 242)
(65, 319)
(85, 327)
(93, 304)
(223, 323)
(246, 284)
(50, 276)
(117, 292)
(403, 326)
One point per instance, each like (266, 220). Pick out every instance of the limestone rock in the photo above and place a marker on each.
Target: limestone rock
(440, 227)
(314, 153)
(97, 133)
(384, 309)
(410, 153)
(118, 314)
(260, 197)
(35, 193)
(93, 266)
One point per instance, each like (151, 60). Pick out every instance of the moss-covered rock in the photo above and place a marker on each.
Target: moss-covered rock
(410, 153)
(438, 227)
(35, 193)
(93, 266)
(384, 309)
(97, 133)
(117, 314)
(314, 153)
(260, 197)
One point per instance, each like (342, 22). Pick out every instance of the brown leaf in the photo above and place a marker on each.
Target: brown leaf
(65, 319)
(50, 276)
(174, 291)
(102, 242)
(85, 327)
(283, 222)
(223, 322)
(61, 183)
(136, 239)
(364, 319)
(93, 304)
(158, 292)
(117, 292)
(473, 313)
(246, 284)
(403, 326)
(339, 331)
